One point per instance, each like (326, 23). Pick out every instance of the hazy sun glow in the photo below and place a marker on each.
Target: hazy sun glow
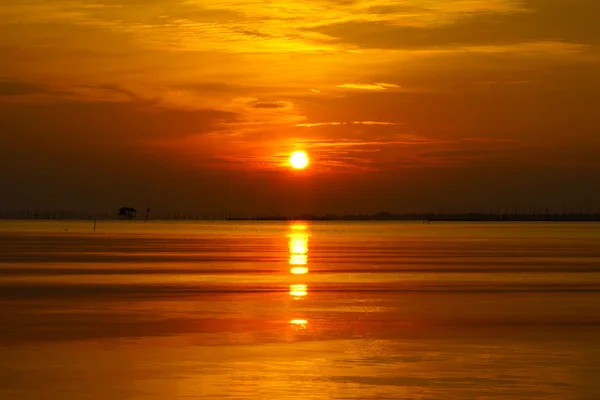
(299, 160)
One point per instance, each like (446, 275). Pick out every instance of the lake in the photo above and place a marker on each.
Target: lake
(299, 310)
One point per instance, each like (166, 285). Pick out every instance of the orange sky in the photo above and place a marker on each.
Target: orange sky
(196, 104)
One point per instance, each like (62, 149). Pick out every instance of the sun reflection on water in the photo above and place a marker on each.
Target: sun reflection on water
(299, 270)
(298, 291)
(298, 246)
(299, 323)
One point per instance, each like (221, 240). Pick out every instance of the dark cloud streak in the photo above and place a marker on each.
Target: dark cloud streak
(16, 88)
(105, 122)
(552, 20)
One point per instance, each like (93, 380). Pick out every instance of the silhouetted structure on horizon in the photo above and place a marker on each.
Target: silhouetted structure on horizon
(127, 213)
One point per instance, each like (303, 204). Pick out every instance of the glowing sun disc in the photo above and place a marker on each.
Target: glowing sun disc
(299, 160)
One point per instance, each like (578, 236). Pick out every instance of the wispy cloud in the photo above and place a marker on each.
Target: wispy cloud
(369, 86)
(312, 125)
(16, 88)
(365, 143)
(271, 105)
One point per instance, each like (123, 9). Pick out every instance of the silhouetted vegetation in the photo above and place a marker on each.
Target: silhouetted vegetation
(127, 213)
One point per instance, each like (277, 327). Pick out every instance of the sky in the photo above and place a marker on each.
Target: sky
(196, 105)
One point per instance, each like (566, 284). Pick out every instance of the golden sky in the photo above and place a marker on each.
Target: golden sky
(402, 105)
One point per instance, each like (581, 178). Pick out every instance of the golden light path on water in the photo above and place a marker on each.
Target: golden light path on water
(298, 248)
(299, 270)
(299, 323)
(298, 291)
(298, 245)
(125, 313)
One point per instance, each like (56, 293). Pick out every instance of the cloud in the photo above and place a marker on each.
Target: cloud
(16, 88)
(312, 125)
(361, 143)
(241, 27)
(184, 81)
(271, 105)
(472, 151)
(489, 83)
(114, 90)
(283, 27)
(535, 20)
(104, 123)
(309, 125)
(369, 86)
(370, 154)
(376, 123)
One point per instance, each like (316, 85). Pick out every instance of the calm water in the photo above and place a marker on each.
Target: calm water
(299, 311)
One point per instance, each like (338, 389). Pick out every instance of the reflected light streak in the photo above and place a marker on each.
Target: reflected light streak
(299, 323)
(298, 259)
(299, 227)
(299, 270)
(298, 245)
(298, 291)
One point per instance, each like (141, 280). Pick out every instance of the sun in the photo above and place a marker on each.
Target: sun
(299, 160)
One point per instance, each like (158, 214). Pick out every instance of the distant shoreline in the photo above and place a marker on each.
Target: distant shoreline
(380, 217)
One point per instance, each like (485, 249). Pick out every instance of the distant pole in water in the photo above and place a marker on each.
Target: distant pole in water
(95, 225)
